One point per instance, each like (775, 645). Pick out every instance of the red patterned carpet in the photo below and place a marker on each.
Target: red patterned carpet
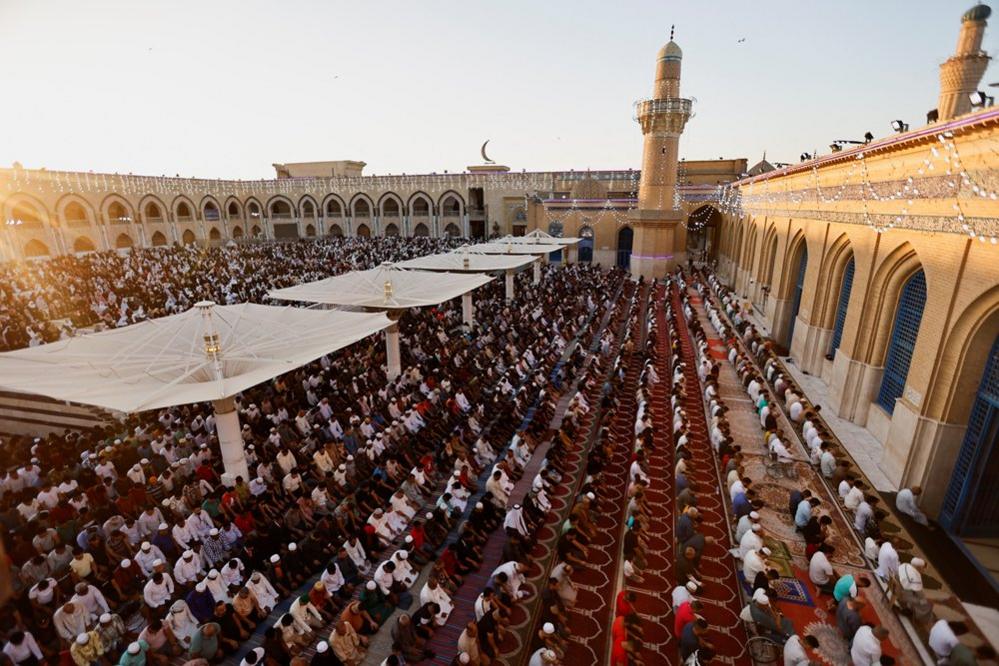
(720, 594)
(594, 610)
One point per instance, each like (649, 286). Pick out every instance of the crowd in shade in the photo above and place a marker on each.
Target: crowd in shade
(369, 500)
(44, 301)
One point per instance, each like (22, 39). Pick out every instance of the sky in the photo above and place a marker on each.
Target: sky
(225, 88)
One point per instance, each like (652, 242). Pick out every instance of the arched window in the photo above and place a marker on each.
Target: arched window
(361, 208)
(214, 234)
(421, 231)
(420, 207)
(237, 232)
(123, 241)
(336, 231)
(555, 228)
(211, 211)
(797, 290)
(159, 239)
(183, 211)
(153, 212)
(188, 237)
(233, 210)
(586, 232)
(310, 230)
(75, 214)
(390, 208)
(333, 208)
(391, 230)
(280, 209)
(452, 230)
(308, 210)
(117, 214)
(908, 316)
(256, 232)
(254, 209)
(83, 244)
(363, 231)
(25, 214)
(36, 248)
(625, 238)
(844, 301)
(450, 207)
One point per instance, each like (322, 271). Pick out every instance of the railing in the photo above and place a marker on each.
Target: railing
(669, 105)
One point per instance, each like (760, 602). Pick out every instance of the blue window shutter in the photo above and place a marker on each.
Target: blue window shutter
(903, 340)
(844, 302)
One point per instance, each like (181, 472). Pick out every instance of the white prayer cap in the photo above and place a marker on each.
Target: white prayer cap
(117, 441)
(275, 558)
(293, 546)
(918, 562)
(409, 538)
(757, 527)
(200, 587)
(82, 638)
(765, 551)
(480, 505)
(250, 447)
(105, 618)
(464, 658)
(145, 545)
(157, 562)
(342, 467)
(246, 426)
(516, 506)
(549, 655)
(126, 563)
(371, 585)
(134, 647)
(214, 531)
(429, 515)
(213, 574)
(403, 555)
(754, 515)
(164, 526)
(349, 458)
(761, 597)
(591, 496)
(379, 511)
(144, 461)
(204, 446)
(323, 646)
(691, 586)
(166, 502)
(548, 628)
(188, 554)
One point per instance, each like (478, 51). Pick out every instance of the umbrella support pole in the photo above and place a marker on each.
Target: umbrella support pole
(467, 310)
(537, 272)
(394, 358)
(509, 284)
(230, 441)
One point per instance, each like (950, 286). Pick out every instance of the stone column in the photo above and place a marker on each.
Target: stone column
(394, 358)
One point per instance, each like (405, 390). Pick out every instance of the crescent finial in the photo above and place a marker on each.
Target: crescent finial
(483, 151)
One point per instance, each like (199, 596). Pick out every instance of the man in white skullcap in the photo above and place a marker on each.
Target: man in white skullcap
(753, 562)
(404, 573)
(148, 554)
(263, 591)
(683, 593)
(745, 524)
(514, 523)
(217, 586)
(432, 591)
(908, 588)
(751, 540)
(357, 555)
(188, 569)
(90, 598)
(232, 572)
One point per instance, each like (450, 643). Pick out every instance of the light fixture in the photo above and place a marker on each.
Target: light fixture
(900, 126)
(932, 116)
(805, 157)
(835, 146)
(868, 137)
(980, 100)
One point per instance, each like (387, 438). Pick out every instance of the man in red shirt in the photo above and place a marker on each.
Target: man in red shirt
(685, 614)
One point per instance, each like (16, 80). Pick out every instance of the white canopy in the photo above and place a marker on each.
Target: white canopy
(210, 352)
(387, 287)
(467, 262)
(538, 237)
(511, 248)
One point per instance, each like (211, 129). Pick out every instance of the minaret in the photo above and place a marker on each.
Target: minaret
(658, 234)
(962, 72)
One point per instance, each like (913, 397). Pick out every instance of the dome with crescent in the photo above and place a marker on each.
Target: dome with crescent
(979, 12)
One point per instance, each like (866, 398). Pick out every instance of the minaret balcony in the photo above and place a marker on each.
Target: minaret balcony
(669, 114)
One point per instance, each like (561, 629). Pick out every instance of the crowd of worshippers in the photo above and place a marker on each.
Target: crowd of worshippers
(773, 392)
(43, 301)
(126, 547)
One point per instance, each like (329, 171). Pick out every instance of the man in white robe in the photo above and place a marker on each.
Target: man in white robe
(435, 593)
(263, 591)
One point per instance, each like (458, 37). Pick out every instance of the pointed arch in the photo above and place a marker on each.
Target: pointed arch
(124, 241)
(334, 206)
(310, 231)
(363, 231)
(255, 232)
(233, 208)
(237, 231)
(35, 248)
(308, 207)
(390, 205)
(83, 244)
(159, 239)
(253, 209)
(336, 231)
(391, 230)
(420, 204)
(183, 209)
(361, 206)
(881, 302)
(280, 207)
(211, 211)
(452, 231)
(188, 238)
(116, 209)
(451, 204)
(153, 209)
(421, 231)
(214, 234)
(27, 210)
(74, 211)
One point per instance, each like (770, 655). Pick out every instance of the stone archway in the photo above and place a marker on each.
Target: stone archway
(625, 240)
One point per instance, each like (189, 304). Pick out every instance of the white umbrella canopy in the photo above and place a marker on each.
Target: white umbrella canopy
(211, 352)
(467, 262)
(538, 237)
(511, 248)
(387, 287)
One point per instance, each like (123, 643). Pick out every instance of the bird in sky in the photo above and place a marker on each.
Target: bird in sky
(741, 40)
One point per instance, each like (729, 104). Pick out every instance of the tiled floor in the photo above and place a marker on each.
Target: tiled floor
(860, 443)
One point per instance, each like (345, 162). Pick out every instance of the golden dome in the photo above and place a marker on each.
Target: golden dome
(670, 52)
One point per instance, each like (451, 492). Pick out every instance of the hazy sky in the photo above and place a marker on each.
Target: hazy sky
(223, 88)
